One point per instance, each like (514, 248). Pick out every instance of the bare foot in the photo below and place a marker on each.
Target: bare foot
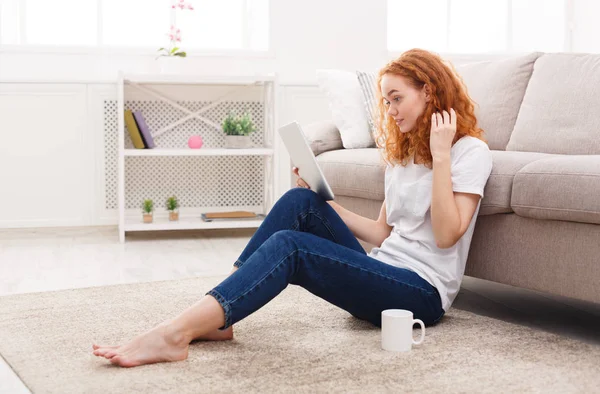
(216, 335)
(159, 344)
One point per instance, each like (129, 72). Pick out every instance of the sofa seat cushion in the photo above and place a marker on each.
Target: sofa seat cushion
(354, 172)
(361, 173)
(498, 188)
(563, 187)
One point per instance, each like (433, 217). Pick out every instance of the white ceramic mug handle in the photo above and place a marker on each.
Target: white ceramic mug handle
(422, 332)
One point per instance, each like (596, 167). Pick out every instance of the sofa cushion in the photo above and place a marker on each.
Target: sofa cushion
(562, 187)
(497, 87)
(347, 107)
(322, 136)
(559, 113)
(355, 172)
(498, 189)
(368, 86)
(368, 175)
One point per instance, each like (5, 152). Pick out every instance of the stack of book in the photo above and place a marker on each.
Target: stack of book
(138, 130)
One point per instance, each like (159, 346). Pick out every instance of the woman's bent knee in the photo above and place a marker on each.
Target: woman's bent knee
(301, 192)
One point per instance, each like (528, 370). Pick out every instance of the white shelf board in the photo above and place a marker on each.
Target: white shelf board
(196, 79)
(200, 152)
(185, 223)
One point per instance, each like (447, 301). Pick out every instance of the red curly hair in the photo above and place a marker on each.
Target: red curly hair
(423, 68)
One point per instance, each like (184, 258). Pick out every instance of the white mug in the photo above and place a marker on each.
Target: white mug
(397, 330)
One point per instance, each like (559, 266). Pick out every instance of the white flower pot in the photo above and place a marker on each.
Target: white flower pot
(170, 64)
(238, 141)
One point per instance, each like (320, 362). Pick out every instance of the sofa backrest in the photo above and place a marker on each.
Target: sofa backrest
(497, 87)
(560, 112)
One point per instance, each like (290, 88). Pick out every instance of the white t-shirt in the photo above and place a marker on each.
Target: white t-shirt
(411, 244)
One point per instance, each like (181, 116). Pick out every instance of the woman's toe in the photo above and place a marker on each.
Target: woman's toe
(104, 346)
(111, 353)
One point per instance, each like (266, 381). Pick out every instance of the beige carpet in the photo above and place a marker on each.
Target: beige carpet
(297, 343)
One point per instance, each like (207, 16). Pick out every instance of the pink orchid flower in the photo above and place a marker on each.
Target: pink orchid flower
(174, 34)
(182, 4)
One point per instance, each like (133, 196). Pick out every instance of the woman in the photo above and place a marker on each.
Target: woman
(438, 165)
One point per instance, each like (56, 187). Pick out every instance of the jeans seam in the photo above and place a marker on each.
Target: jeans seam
(294, 227)
(227, 305)
(338, 260)
(430, 293)
(275, 266)
(323, 220)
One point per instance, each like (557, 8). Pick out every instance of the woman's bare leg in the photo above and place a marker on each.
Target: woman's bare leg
(216, 335)
(169, 341)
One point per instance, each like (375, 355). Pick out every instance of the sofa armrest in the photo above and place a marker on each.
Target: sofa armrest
(323, 136)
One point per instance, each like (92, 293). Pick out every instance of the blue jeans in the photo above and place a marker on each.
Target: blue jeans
(304, 242)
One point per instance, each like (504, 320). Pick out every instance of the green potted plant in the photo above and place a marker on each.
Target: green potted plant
(238, 130)
(147, 210)
(173, 208)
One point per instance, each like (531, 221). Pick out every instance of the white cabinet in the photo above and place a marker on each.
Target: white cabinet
(211, 178)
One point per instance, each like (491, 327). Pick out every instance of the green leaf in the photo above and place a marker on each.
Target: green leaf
(148, 206)
(174, 49)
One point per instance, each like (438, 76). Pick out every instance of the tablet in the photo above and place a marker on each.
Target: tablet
(303, 158)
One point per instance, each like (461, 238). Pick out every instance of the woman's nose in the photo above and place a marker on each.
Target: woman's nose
(391, 111)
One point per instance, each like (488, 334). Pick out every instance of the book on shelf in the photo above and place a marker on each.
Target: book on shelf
(231, 215)
(144, 129)
(133, 130)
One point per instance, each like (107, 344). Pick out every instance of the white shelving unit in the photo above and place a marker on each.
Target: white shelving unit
(176, 107)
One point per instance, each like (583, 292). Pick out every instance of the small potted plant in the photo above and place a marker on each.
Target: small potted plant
(147, 210)
(238, 129)
(173, 208)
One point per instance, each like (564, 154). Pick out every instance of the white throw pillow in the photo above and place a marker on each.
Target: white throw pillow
(368, 86)
(347, 105)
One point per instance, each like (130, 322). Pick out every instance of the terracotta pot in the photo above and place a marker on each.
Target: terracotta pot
(173, 215)
(147, 218)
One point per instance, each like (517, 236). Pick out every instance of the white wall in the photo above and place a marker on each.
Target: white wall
(586, 28)
(305, 35)
(50, 127)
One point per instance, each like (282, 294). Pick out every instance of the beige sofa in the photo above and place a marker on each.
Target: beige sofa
(539, 222)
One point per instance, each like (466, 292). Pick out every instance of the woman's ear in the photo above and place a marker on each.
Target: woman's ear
(427, 93)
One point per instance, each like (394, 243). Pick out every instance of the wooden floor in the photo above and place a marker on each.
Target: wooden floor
(67, 258)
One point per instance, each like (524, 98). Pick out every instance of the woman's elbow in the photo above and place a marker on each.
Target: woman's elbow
(445, 244)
